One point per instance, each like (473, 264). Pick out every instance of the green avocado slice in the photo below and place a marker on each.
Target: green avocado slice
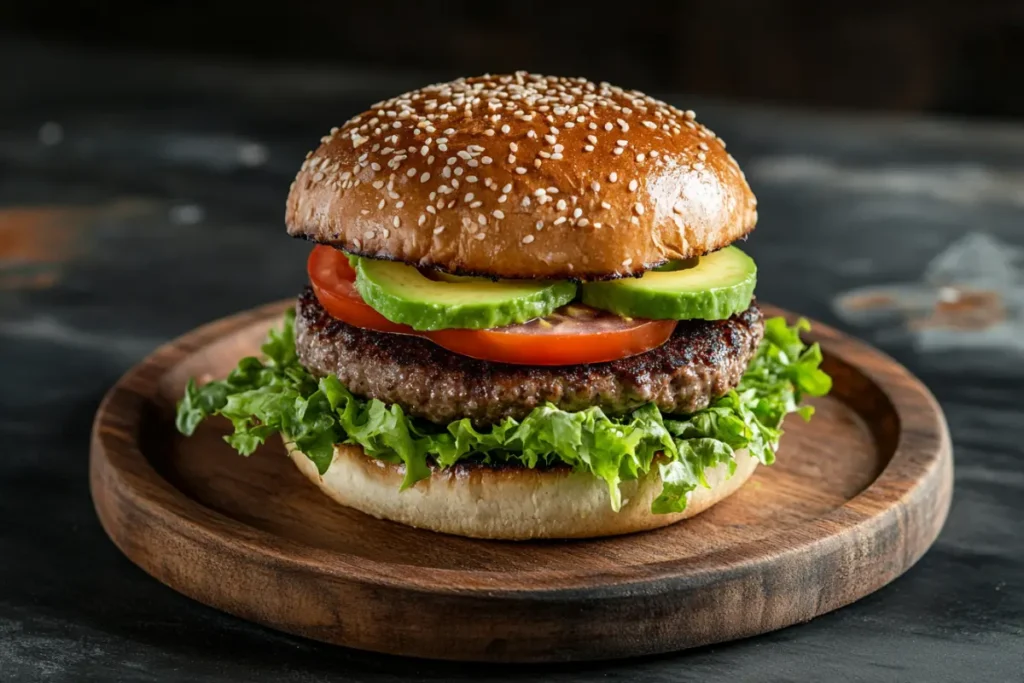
(718, 286)
(402, 294)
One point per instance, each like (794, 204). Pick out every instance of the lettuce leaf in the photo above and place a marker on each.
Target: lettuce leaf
(276, 395)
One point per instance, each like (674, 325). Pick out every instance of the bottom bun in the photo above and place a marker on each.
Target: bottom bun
(511, 503)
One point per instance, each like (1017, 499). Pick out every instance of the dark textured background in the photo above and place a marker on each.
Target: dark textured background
(141, 196)
(908, 55)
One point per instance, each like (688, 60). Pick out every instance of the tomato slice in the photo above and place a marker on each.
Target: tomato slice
(333, 283)
(572, 335)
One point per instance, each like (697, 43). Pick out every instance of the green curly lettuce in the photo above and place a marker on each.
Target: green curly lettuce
(276, 395)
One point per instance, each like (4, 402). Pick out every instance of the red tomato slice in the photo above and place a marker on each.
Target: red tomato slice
(333, 283)
(572, 335)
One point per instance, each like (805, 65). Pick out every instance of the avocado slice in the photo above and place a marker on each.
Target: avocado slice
(402, 294)
(718, 286)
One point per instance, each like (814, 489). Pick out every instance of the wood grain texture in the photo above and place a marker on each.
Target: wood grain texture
(856, 497)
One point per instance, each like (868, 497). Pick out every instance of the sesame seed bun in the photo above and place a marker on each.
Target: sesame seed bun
(511, 503)
(523, 176)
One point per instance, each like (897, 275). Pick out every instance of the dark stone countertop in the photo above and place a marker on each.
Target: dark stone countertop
(142, 197)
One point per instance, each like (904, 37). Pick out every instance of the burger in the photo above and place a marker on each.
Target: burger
(525, 317)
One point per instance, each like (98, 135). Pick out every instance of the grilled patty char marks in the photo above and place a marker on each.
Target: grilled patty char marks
(700, 362)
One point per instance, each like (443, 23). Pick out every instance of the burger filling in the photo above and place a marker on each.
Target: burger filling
(675, 370)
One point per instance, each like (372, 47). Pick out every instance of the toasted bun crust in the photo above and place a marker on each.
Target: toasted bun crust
(523, 176)
(509, 503)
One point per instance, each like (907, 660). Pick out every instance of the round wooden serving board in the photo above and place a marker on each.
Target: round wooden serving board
(856, 496)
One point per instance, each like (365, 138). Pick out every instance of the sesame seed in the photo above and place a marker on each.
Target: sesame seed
(639, 208)
(539, 225)
(377, 184)
(702, 156)
(382, 203)
(559, 220)
(654, 153)
(507, 188)
(476, 205)
(511, 158)
(577, 212)
(592, 139)
(608, 126)
(583, 222)
(595, 186)
(513, 147)
(651, 125)
(704, 146)
(422, 219)
(641, 156)
(698, 166)
(502, 198)
(588, 148)
(471, 179)
(612, 177)
(411, 172)
(399, 204)
(468, 198)
(506, 129)
(634, 220)
(531, 133)
(481, 219)
(550, 139)
(627, 263)
(425, 177)
(375, 166)
(561, 205)
(617, 151)
(605, 205)
(633, 184)
(527, 239)
(484, 160)
(480, 236)
(368, 234)
(489, 132)
(520, 170)
(498, 213)
(690, 114)
(622, 143)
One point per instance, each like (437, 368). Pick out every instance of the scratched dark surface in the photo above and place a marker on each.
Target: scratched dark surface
(140, 198)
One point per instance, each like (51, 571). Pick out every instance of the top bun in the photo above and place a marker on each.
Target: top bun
(523, 176)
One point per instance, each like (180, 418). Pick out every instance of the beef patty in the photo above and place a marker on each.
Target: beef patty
(701, 361)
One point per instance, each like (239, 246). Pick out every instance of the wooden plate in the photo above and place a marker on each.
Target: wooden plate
(856, 497)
